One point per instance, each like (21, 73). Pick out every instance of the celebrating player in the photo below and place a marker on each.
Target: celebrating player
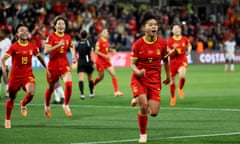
(147, 53)
(85, 52)
(56, 46)
(21, 75)
(36, 37)
(179, 47)
(103, 60)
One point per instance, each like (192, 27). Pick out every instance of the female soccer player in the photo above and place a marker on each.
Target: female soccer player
(103, 60)
(229, 47)
(179, 47)
(5, 43)
(85, 52)
(56, 46)
(21, 75)
(147, 53)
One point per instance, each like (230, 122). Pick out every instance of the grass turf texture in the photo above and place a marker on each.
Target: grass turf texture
(209, 113)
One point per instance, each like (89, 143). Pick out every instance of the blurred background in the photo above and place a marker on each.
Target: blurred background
(207, 23)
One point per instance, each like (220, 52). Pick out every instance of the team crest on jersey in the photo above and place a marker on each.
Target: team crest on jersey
(30, 52)
(183, 44)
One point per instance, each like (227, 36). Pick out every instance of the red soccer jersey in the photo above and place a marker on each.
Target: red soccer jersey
(182, 44)
(103, 46)
(58, 57)
(22, 58)
(149, 56)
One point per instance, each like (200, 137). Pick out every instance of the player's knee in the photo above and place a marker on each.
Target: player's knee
(144, 109)
(31, 93)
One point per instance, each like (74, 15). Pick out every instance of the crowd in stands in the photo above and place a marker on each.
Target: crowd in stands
(122, 19)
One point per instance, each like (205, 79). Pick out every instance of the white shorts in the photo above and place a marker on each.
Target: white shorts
(230, 56)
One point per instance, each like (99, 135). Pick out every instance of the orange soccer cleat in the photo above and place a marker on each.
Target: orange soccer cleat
(180, 93)
(173, 101)
(47, 111)
(143, 138)
(118, 93)
(67, 110)
(23, 110)
(7, 124)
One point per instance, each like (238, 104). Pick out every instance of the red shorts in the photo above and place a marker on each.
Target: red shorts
(16, 83)
(56, 74)
(152, 90)
(175, 65)
(101, 66)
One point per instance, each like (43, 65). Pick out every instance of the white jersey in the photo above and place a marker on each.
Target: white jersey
(230, 49)
(4, 46)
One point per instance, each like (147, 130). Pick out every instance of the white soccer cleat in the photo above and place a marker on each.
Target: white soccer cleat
(82, 97)
(7, 124)
(143, 138)
(91, 95)
(118, 93)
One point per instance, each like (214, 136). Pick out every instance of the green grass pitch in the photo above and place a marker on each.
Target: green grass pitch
(209, 114)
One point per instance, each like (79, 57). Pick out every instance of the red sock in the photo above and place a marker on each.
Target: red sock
(115, 84)
(48, 94)
(9, 108)
(172, 90)
(96, 80)
(67, 92)
(181, 83)
(142, 123)
(27, 99)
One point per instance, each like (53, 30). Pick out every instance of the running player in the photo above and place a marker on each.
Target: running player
(147, 53)
(103, 60)
(56, 46)
(21, 75)
(179, 47)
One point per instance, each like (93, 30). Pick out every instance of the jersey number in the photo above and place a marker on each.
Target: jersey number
(61, 49)
(179, 51)
(24, 60)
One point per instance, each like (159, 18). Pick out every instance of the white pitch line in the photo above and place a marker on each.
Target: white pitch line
(129, 107)
(164, 138)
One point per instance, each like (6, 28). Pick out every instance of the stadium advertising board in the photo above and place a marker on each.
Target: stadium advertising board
(122, 59)
(214, 58)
